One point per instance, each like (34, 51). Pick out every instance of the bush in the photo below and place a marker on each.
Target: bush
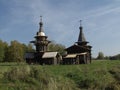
(17, 73)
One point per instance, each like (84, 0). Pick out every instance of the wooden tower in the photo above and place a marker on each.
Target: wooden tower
(41, 41)
(42, 55)
(41, 44)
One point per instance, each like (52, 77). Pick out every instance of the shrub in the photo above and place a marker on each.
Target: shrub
(17, 73)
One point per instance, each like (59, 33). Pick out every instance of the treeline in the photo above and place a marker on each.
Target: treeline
(102, 57)
(115, 57)
(15, 51)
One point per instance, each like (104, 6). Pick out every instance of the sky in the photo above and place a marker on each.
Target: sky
(19, 20)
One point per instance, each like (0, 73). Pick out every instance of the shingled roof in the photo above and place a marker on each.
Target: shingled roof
(49, 54)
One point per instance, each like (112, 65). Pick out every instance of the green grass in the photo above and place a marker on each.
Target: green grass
(99, 75)
(4, 67)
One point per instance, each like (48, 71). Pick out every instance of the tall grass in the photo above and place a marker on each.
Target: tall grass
(34, 78)
(100, 75)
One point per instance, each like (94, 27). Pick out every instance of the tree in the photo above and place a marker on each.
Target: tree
(56, 47)
(106, 57)
(115, 57)
(14, 52)
(28, 48)
(100, 55)
(3, 47)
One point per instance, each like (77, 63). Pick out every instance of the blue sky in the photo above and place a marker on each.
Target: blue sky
(19, 20)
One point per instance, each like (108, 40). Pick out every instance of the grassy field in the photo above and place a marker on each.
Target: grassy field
(99, 75)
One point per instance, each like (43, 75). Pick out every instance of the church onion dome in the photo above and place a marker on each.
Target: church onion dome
(40, 34)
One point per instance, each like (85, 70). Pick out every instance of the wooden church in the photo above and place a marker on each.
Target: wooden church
(42, 55)
(80, 52)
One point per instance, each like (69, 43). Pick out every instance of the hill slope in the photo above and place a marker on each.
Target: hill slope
(100, 75)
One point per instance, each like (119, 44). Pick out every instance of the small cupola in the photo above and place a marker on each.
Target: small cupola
(41, 31)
